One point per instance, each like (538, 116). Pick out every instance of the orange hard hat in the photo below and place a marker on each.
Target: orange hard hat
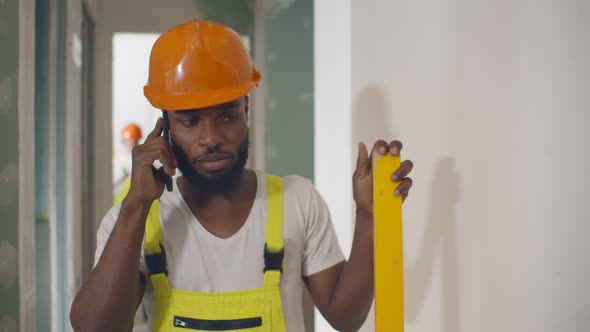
(131, 132)
(199, 64)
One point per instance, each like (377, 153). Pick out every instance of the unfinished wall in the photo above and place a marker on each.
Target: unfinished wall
(9, 170)
(288, 84)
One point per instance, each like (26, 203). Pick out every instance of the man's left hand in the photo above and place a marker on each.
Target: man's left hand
(362, 179)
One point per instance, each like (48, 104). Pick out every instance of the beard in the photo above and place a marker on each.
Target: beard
(218, 183)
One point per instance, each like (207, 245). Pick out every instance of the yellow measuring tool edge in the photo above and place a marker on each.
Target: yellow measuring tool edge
(389, 271)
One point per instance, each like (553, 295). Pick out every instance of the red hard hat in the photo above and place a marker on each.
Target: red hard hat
(131, 132)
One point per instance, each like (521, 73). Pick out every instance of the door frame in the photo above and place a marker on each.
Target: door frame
(26, 168)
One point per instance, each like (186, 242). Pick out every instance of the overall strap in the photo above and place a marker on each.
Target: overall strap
(155, 256)
(274, 247)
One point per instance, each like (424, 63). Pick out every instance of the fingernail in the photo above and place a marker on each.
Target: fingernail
(382, 150)
(396, 193)
(394, 151)
(395, 177)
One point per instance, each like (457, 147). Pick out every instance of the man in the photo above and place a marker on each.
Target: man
(228, 248)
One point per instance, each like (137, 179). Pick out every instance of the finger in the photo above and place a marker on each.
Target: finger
(395, 147)
(165, 154)
(156, 132)
(149, 158)
(404, 187)
(403, 171)
(362, 160)
(168, 159)
(381, 147)
(145, 154)
(404, 197)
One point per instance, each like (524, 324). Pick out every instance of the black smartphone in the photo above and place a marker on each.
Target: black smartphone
(166, 133)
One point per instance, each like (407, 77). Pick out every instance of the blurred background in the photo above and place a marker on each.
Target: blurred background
(490, 98)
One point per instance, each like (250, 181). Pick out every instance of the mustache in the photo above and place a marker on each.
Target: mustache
(214, 156)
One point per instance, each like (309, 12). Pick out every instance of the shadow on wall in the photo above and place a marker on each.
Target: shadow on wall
(438, 240)
(371, 120)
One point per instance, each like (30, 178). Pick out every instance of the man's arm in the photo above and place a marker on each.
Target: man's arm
(344, 293)
(109, 299)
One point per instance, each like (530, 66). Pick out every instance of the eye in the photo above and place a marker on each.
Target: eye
(188, 122)
(227, 118)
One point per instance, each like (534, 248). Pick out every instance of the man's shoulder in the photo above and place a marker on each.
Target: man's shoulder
(300, 191)
(294, 183)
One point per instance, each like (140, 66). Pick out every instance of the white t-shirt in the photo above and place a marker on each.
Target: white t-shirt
(121, 167)
(199, 261)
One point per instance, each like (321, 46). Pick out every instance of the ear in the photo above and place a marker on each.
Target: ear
(246, 107)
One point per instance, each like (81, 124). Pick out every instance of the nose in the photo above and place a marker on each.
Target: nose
(210, 135)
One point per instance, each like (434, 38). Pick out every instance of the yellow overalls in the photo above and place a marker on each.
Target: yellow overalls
(250, 310)
(122, 193)
(124, 184)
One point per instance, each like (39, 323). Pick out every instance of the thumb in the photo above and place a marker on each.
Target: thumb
(362, 161)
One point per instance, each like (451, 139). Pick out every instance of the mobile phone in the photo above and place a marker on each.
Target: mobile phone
(166, 133)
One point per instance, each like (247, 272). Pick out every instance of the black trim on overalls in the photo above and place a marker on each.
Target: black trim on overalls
(216, 325)
(156, 263)
(273, 260)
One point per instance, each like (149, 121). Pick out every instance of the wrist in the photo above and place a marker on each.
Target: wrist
(136, 203)
(364, 221)
(364, 212)
(133, 215)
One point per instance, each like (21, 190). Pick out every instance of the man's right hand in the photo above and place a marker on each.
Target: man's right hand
(147, 182)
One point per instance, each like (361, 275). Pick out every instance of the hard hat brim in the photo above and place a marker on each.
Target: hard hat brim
(197, 100)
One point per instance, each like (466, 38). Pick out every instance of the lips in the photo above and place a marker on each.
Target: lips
(214, 162)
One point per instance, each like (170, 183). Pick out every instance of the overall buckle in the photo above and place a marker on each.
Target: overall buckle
(273, 261)
(156, 263)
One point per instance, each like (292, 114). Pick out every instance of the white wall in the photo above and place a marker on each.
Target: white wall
(491, 99)
(131, 55)
(332, 118)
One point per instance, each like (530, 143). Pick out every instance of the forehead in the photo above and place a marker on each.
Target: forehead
(236, 104)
